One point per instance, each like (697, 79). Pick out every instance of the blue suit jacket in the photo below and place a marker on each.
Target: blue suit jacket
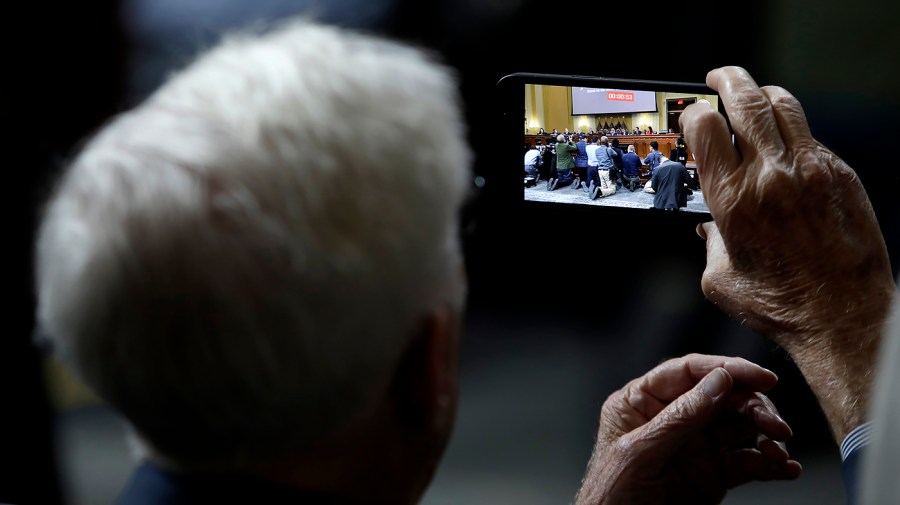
(849, 471)
(151, 485)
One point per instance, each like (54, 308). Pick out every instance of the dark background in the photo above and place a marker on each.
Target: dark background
(546, 341)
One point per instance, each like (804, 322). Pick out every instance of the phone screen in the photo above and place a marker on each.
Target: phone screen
(615, 138)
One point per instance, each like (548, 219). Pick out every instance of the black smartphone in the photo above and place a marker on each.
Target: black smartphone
(597, 142)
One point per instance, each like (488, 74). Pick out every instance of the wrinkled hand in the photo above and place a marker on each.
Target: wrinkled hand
(795, 251)
(686, 432)
(795, 247)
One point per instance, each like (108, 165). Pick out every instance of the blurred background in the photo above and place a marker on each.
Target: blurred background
(545, 344)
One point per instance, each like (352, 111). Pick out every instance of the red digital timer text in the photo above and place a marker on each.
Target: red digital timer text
(620, 96)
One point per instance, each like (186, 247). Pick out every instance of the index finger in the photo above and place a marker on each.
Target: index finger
(710, 140)
(749, 111)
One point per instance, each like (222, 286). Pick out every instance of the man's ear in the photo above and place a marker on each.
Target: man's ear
(426, 385)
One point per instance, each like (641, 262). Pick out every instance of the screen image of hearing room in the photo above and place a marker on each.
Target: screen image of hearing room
(610, 147)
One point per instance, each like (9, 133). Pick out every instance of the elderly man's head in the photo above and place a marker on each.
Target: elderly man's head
(242, 285)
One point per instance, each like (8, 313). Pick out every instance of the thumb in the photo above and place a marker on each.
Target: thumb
(718, 262)
(691, 412)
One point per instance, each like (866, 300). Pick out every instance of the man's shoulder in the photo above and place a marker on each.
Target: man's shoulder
(151, 485)
(663, 169)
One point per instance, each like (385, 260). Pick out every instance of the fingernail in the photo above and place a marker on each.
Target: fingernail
(729, 364)
(763, 413)
(774, 451)
(715, 384)
(705, 102)
(701, 232)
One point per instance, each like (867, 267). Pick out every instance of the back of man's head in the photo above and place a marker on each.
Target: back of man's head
(235, 281)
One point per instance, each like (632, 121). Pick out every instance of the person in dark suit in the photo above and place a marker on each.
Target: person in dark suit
(679, 154)
(668, 182)
(617, 160)
(654, 158)
(581, 161)
(631, 170)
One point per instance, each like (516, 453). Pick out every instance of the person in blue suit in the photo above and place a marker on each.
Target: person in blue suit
(631, 170)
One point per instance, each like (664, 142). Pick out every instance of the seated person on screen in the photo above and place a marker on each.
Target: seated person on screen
(601, 182)
(542, 161)
(679, 152)
(680, 155)
(591, 150)
(565, 165)
(631, 170)
(654, 158)
(581, 161)
(616, 174)
(532, 162)
(669, 183)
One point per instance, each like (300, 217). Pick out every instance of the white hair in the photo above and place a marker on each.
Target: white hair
(236, 262)
(631, 149)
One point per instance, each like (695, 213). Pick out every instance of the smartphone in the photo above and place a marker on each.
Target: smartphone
(639, 118)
